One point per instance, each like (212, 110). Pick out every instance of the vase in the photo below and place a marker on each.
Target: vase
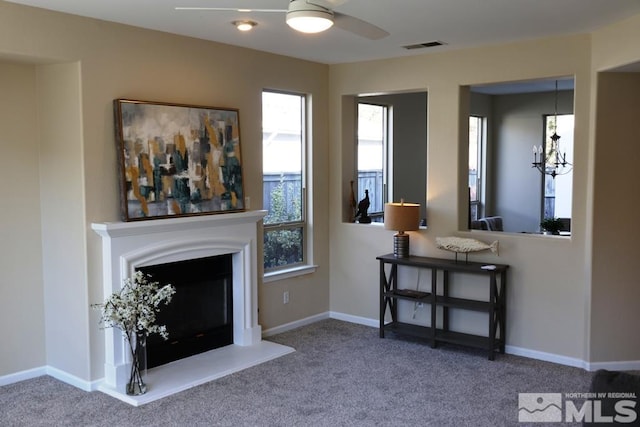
(138, 345)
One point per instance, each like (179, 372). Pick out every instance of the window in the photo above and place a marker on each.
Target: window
(476, 173)
(372, 156)
(556, 201)
(283, 148)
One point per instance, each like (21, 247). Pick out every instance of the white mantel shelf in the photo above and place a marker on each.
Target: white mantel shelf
(140, 227)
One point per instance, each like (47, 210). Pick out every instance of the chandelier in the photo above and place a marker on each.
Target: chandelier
(548, 158)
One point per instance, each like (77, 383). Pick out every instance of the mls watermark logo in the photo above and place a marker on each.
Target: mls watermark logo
(540, 407)
(607, 407)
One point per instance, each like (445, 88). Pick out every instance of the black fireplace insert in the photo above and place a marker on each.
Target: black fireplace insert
(200, 316)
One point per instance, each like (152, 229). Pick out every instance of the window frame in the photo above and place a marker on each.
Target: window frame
(548, 184)
(303, 266)
(481, 145)
(387, 158)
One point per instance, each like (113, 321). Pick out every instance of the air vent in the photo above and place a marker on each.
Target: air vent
(424, 45)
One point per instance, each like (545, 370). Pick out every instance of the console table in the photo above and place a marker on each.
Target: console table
(495, 305)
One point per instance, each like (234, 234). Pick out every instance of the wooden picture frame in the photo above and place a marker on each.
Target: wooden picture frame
(177, 160)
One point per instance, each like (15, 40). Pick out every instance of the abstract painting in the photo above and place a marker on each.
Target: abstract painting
(177, 160)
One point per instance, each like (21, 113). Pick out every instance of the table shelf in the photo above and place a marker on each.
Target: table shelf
(495, 305)
(426, 333)
(410, 295)
(466, 304)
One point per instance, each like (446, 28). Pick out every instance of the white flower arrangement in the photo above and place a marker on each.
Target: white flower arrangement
(133, 309)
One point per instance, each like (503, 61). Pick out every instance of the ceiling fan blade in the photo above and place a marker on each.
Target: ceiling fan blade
(327, 4)
(229, 9)
(358, 26)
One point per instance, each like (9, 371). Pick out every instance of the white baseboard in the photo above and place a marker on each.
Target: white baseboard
(520, 351)
(316, 318)
(630, 365)
(23, 375)
(547, 357)
(66, 377)
(52, 372)
(294, 325)
(374, 323)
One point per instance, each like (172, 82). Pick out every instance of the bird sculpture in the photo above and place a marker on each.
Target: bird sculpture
(361, 215)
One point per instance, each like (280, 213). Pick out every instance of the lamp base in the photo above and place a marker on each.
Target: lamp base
(401, 245)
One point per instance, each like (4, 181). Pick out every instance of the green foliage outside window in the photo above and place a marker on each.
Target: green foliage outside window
(283, 246)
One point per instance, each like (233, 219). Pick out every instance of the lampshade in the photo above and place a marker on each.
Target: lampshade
(401, 216)
(308, 18)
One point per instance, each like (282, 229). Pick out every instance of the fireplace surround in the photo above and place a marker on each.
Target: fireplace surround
(127, 246)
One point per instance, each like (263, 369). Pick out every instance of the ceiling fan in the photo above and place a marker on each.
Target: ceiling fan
(313, 16)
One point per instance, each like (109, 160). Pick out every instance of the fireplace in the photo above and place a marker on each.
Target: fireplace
(142, 245)
(200, 315)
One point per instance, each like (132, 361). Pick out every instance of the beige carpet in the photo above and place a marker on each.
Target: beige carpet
(342, 374)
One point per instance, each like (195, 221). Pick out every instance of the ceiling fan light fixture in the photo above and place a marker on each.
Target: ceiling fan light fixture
(308, 18)
(244, 25)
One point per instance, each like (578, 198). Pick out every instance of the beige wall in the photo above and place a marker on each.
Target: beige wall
(63, 218)
(615, 292)
(616, 289)
(548, 282)
(82, 65)
(616, 45)
(21, 289)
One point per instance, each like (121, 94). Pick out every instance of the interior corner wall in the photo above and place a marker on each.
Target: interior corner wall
(21, 287)
(615, 292)
(63, 220)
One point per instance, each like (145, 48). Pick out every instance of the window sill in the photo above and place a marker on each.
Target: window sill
(288, 273)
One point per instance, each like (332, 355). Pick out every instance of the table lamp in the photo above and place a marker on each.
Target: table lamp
(401, 217)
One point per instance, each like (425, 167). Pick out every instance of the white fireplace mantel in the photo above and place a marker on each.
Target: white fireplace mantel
(127, 246)
(134, 228)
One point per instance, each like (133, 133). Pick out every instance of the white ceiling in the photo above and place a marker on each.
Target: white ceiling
(458, 23)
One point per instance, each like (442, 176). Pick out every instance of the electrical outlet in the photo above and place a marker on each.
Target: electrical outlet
(285, 297)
